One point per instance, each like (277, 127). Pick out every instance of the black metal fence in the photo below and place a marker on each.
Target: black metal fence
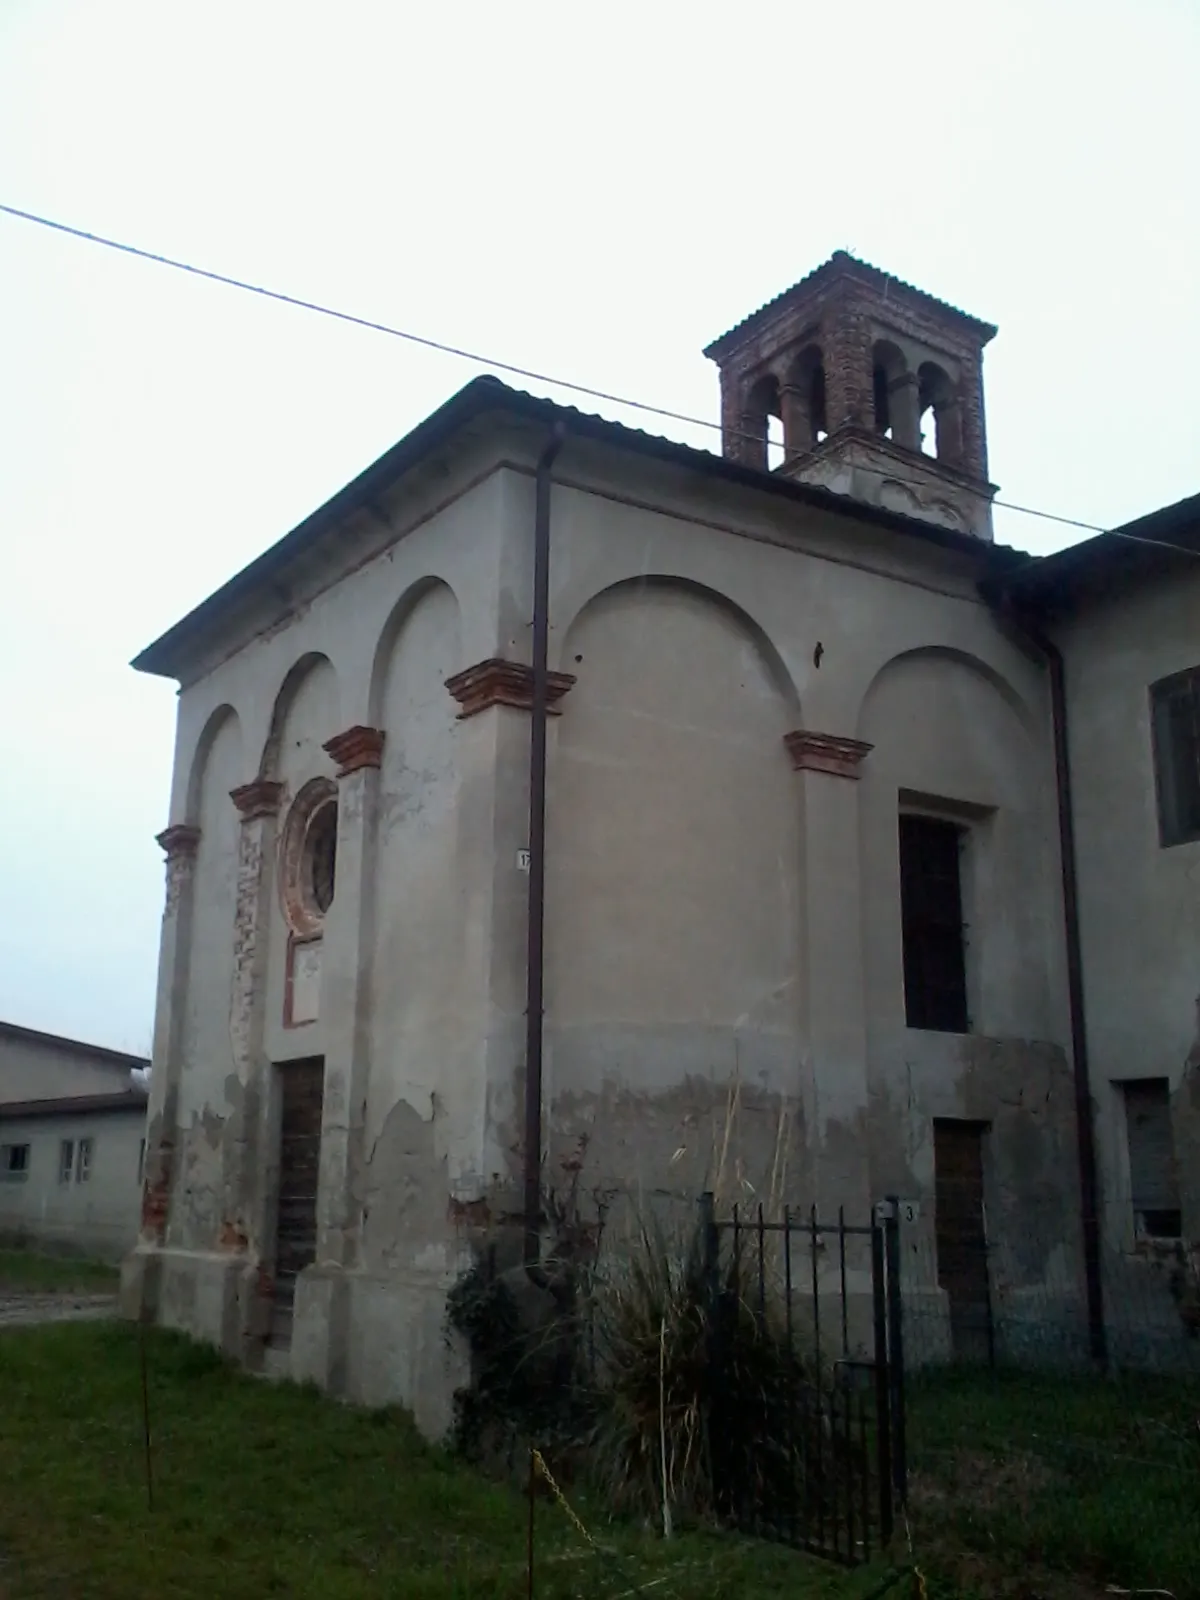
(808, 1333)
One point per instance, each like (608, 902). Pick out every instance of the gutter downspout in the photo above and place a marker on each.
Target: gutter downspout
(535, 963)
(1089, 1188)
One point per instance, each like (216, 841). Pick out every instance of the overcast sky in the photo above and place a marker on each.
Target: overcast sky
(591, 191)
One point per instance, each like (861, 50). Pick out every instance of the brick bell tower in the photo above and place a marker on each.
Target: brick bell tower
(878, 387)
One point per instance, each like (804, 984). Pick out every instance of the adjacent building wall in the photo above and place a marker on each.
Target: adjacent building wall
(1139, 909)
(43, 1066)
(97, 1216)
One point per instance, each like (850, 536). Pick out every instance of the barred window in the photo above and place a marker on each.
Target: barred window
(935, 965)
(1175, 708)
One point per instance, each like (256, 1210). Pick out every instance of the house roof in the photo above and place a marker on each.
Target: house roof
(842, 264)
(485, 396)
(97, 1052)
(132, 1099)
(1162, 540)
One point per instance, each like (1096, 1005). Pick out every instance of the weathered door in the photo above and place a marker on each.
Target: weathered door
(961, 1236)
(302, 1084)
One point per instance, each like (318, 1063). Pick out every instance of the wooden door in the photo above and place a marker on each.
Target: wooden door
(961, 1236)
(302, 1089)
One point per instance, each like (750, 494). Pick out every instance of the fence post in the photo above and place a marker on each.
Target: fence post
(883, 1406)
(896, 1349)
(710, 1270)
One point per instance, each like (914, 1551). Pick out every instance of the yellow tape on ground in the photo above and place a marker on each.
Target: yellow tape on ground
(540, 1465)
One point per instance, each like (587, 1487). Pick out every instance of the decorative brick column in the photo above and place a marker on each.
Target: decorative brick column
(835, 988)
(243, 1199)
(849, 369)
(345, 976)
(180, 843)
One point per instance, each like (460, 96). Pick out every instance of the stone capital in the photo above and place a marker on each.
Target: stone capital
(259, 798)
(359, 747)
(825, 752)
(179, 842)
(504, 683)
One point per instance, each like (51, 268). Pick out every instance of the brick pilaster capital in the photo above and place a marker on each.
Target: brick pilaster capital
(825, 752)
(259, 798)
(358, 748)
(504, 683)
(179, 842)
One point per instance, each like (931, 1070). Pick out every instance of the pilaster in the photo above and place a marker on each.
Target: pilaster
(244, 1220)
(827, 769)
(345, 977)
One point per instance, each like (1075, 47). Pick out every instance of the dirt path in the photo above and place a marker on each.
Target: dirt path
(21, 1310)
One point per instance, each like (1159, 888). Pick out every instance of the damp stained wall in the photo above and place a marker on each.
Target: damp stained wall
(1139, 902)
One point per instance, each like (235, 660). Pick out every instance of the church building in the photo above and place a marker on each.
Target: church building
(560, 799)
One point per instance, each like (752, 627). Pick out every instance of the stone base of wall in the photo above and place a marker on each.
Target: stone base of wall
(373, 1339)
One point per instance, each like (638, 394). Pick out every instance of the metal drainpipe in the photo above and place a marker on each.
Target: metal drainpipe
(535, 966)
(1089, 1187)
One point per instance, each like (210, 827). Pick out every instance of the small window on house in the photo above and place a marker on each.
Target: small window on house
(141, 1161)
(83, 1163)
(1153, 1182)
(1175, 707)
(66, 1160)
(935, 967)
(14, 1163)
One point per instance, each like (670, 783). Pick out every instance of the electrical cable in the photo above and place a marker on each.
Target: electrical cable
(500, 366)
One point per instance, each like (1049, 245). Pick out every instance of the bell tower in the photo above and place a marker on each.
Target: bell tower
(878, 387)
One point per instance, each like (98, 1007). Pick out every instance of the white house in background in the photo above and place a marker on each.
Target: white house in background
(72, 1142)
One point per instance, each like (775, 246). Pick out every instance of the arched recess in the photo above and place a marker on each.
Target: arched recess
(673, 853)
(306, 713)
(773, 663)
(385, 648)
(952, 738)
(972, 665)
(423, 868)
(213, 728)
(219, 766)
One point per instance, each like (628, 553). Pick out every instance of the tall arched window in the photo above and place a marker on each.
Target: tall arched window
(762, 402)
(803, 396)
(937, 395)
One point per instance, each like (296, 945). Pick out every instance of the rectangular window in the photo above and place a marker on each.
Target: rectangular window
(83, 1164)
(1175, 709)
(935, 965)
(14, 1163)
(1152, 1178)
(66, 1160)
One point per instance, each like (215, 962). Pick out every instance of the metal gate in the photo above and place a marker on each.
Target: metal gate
(806, 1407)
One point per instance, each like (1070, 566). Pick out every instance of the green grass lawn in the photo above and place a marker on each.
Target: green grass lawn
(1025, 1488)
(264, 1489)
(26, 1272)
(1066, 1475)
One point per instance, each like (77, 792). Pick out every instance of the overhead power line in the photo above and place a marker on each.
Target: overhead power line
(486, 361)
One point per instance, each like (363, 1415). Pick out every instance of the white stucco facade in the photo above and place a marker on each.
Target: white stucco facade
(753, 681)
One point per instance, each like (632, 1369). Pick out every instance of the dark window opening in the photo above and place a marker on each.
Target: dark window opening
(14, 1162)
(935, 967)
(1175, 706)
(321, 857)
(1153, 1182)
(883, 414)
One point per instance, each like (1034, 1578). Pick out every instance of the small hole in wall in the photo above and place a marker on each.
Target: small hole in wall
(578, 659)
(818, 653)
